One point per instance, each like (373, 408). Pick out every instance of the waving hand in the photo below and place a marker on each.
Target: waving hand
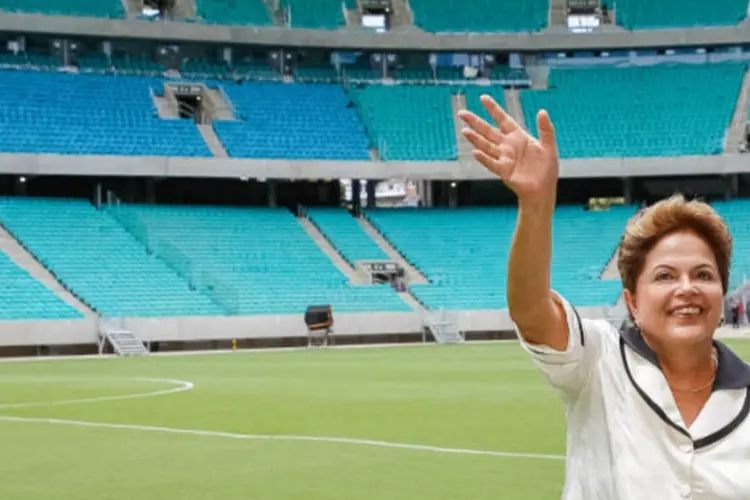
(528, 166)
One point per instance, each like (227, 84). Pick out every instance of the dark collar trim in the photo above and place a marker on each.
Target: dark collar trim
(732, 373)
(697, 443)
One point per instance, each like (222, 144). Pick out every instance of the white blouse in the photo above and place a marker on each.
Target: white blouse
(626, 439)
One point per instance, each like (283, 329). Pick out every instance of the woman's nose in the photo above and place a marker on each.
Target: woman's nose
(686, 285)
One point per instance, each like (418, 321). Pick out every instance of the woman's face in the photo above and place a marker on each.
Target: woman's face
(678, 295)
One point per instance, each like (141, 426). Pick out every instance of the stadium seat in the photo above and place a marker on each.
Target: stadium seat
(649, 14)
(236, 12)
(295, 121)
(464, 253)
(98, 260)
(45, 112)
(737, 213)
(480, 16)
(346, 235)
(665, 110)
(473, 104)
(408, 122)
(86, 8)
(25, 298)
(263, 258)
(315, 14)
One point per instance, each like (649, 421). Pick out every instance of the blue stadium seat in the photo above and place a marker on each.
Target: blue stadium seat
(464, 253)
(626, 112)
(85, 8)
(294, 121)
(98, 260)
(737, 214)
(24, 298)
(263, 258)
(346, 235)
(45, 112)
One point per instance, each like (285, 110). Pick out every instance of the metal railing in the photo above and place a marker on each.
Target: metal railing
(219, 290)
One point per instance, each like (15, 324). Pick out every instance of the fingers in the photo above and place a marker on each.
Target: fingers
(546, 131)
(481, 143)
(503, 120)
(485, 129)
(502, 167)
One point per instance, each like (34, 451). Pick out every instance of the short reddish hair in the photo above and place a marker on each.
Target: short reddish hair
(666, 217)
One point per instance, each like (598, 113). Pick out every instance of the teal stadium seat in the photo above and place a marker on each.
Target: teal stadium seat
(665, 110)
(737, 215)
(480, 16)
(61, 113)
(24, 298)
(315, 14)
(296, 121)
(265, 257)
(656, 14)
(234, 12)
(408, 122)
(346, 235)
(464, 253)
(473, 104)
(86, 8)
(99, 261)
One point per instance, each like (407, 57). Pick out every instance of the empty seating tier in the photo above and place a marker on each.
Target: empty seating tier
(649, 14)
(264, 258)
(238, 12)
(25, 298)
(87, 8)
(480, 16)
(315, 14)
(408, 122)
(473, 93)
(737, 213)
(464, 253)
(93, 255)
(665, 110)
(89, 114)
(295, 121)
(346, 234)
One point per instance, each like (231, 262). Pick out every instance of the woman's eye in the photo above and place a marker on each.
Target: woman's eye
(706, 275)
(662, 276)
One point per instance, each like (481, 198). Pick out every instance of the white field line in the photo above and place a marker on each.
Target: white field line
(182, 386)
(269, 437)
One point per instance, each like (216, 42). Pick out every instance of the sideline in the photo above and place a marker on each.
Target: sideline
(281, 437)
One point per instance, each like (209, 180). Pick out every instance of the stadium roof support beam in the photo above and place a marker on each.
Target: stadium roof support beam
(176, 32)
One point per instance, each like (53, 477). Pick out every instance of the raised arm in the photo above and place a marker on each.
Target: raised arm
(529, 167)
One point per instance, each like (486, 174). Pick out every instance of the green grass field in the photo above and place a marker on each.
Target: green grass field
(211, 441)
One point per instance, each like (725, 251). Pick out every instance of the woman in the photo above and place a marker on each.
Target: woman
(658, 410)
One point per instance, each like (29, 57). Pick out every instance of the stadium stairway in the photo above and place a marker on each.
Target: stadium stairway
(26, 261)
(402, 15)
(329, 250)
(354, 240)
(212, 140)
(736, 129)
(415, 276)
(458, 102)
(513, 106)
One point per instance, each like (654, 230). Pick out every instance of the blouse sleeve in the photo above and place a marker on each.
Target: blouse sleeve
(569, 371)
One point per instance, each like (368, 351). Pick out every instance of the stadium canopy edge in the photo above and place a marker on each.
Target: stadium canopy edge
(350, 38)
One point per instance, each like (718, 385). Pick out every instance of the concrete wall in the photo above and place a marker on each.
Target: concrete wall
(72, 332)
(467, 169)
(176, 32)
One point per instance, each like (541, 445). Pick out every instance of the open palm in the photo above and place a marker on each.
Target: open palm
(528, 166)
